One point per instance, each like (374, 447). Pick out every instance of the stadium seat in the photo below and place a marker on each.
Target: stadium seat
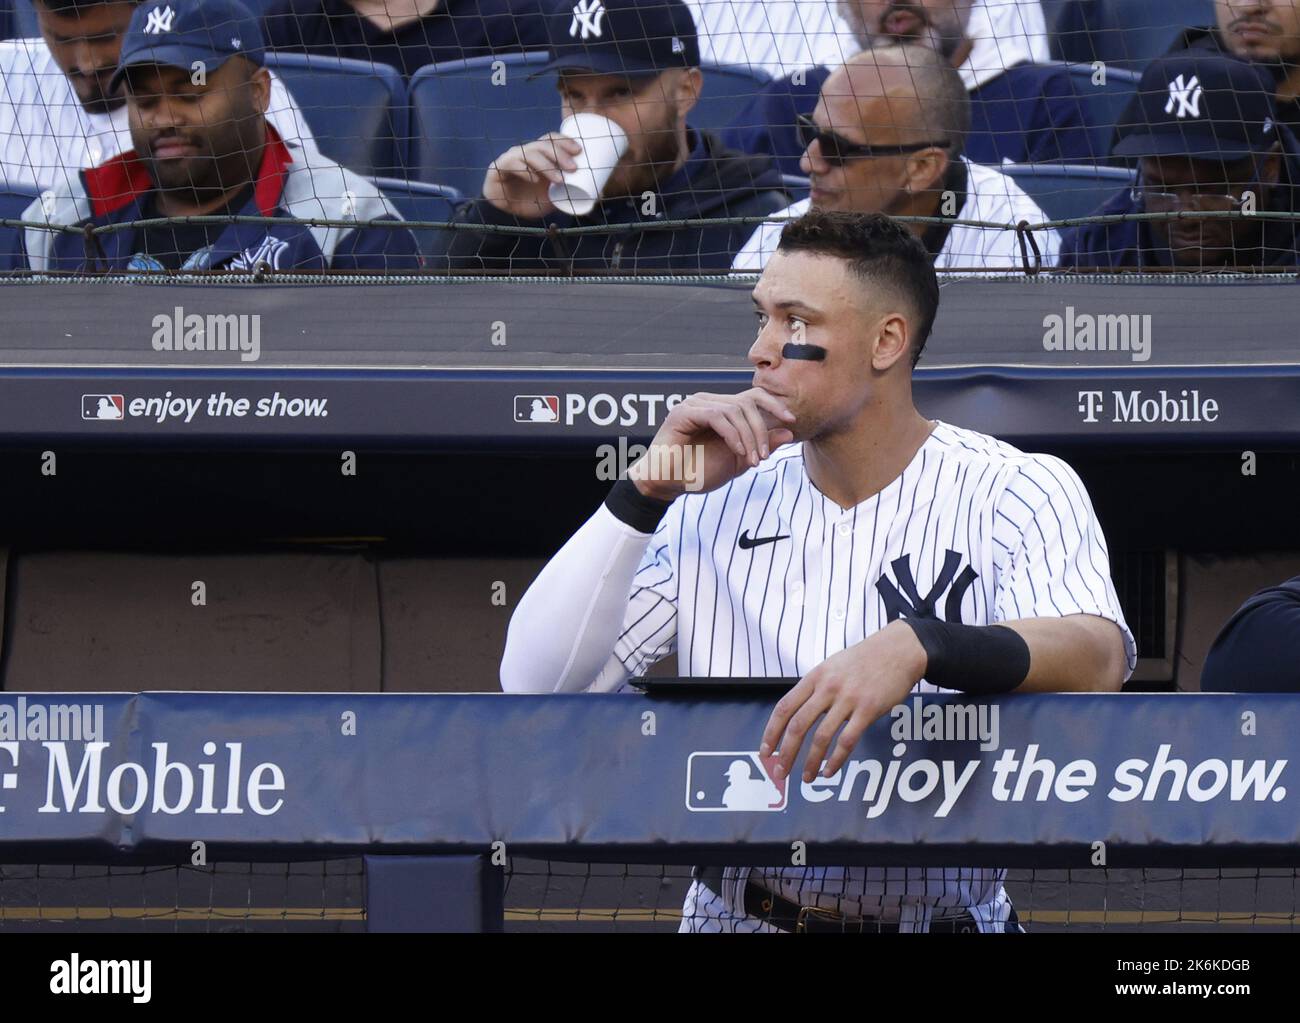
(356, 110)
(1066, 190)
(18, 20)
(462, 120)
(1125, 33)
(417, 201)
(12, 203)
(1103, 104)
(727, 88)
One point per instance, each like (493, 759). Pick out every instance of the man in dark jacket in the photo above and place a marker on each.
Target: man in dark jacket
(1258, 650)
(1205, 132)
(1020, 111)
(1266, 32)
(640, 70)
(203, 147)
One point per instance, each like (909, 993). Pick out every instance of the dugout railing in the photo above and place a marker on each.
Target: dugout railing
(468, 812)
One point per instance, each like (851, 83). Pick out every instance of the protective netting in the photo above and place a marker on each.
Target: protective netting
(553, 896)
(300, 134)
(326, 895)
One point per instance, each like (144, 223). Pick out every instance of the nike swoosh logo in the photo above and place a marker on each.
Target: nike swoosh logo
(746, 543)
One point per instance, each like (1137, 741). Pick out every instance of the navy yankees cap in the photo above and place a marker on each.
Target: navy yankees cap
(621, 37)
(176, 33)
(1200, 105)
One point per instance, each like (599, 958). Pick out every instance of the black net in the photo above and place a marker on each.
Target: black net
(327, 896)
(556, 896)
(643, 136)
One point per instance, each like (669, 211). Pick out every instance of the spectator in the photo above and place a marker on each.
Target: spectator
(641, 72)
(1263, 31)
(1020, 111)
(1204, 131)
(406, 34)
(58, 113)
(886, 137)
(1258, 651)
(208, 150)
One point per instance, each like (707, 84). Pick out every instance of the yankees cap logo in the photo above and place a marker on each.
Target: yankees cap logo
(159, 21)
(1186, 95)
(746, 543)
(587, 16)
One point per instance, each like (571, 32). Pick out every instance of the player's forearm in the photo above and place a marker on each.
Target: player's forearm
(565, 627)
(1076, 653)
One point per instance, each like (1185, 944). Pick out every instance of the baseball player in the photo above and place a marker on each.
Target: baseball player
(841, 537)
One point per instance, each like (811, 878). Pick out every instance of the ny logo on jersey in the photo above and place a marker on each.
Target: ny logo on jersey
(1187, 96)
(270, 251)
(587, 16)
(159, 21)
(910, 604)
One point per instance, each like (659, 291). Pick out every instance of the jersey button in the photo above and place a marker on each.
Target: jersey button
(838, 614)
(845, 529)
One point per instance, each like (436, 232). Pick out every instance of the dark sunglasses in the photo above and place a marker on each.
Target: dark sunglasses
(837, 150)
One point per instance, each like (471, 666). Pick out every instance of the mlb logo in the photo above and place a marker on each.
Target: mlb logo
(537, 408)
(102, 406)
(733, 783)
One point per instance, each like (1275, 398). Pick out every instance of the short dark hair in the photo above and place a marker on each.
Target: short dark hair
(74, 6)
(878, 250)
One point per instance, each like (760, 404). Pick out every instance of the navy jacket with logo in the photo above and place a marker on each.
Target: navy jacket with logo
(714, 182)
(1129, 243)
(290, 182)
(1029, 113)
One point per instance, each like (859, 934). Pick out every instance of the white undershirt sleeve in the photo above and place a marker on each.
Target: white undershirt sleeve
(604, 608)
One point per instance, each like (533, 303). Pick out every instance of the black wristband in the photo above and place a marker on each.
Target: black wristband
(631, 506)
(981, 659)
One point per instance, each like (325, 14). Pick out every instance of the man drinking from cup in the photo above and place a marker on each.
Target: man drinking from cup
(624, 156)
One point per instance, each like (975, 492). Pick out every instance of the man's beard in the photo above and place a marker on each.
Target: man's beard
(659, 157)
(944, 40)
(100, 102)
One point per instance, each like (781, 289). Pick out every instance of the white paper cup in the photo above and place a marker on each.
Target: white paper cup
(603, 145)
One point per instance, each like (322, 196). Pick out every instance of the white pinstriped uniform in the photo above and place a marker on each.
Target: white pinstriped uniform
(776, 36)
(781, 36)
(1013, 534)
(47, 137)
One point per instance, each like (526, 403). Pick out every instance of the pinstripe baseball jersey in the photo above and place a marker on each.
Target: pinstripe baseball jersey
(767, 576)
(780, 36)
(47, 137)
(776, 36)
